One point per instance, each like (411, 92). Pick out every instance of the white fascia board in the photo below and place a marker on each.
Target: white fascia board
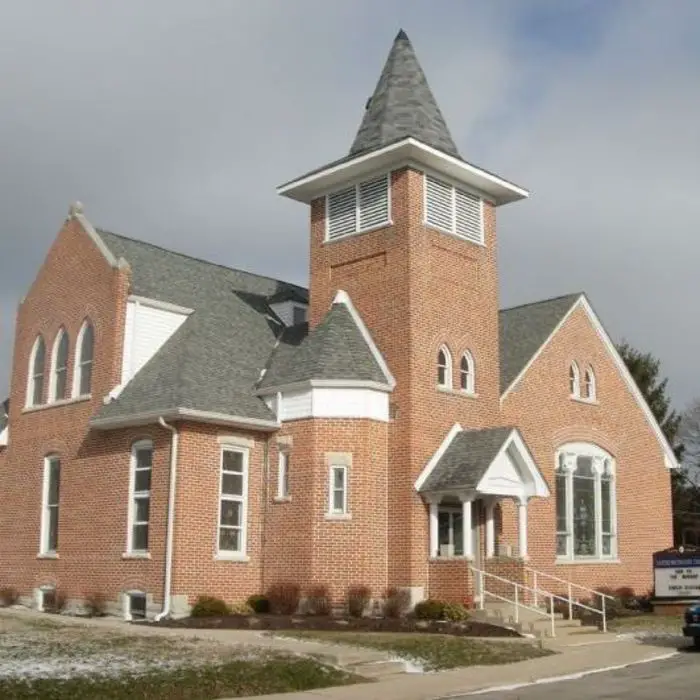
(184, 414)
(456, 428)
(308, 187)
(343, 297)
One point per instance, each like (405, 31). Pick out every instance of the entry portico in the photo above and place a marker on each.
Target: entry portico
(474, 470)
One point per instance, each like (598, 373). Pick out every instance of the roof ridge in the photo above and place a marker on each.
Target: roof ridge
(196, 259)
(541, 301)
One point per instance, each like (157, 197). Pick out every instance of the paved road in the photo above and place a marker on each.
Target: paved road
(677, 678)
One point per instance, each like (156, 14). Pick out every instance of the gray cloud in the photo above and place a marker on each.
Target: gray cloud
(174, 121)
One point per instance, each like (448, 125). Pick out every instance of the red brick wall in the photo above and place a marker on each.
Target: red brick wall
(450, 580)
(540, 406)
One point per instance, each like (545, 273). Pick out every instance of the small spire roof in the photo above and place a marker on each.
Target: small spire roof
(402, 106)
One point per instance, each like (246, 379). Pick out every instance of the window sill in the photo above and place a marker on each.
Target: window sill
(589, 402)
(338, 516)
(560, 561)
(56, 404)
(136, 555)
(345, 236)
(47, 555)
(232, 556)
(282, 499)
(439, 229)
(457, 392)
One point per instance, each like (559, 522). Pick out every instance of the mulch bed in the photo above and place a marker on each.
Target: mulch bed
(470, 628)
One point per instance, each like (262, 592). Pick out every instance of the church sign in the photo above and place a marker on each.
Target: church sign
(677, 574)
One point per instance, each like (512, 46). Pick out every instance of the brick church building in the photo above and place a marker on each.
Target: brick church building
(178, 428)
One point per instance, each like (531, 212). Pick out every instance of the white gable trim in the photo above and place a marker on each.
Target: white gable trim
(670, 460)
(324, 384)
(343, 297)
(533, 359)
(77, 213)
(456, 428)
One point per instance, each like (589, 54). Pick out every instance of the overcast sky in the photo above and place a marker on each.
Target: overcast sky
(174, 120)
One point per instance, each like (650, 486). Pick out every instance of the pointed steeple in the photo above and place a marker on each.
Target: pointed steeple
(402, 105)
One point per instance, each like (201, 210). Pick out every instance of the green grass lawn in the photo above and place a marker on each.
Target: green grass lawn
(432, 651)
(647, 623)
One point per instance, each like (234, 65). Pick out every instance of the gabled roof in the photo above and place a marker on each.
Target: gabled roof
(289, 294)
(402, 105)
(213, 361)
(524, 329)
(336, 349)
(466, 459)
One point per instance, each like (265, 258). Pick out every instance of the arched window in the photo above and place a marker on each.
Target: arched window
(585, 503)
(466, 373)
(82, 376)
(59, 366)
(35, 383)
(444, 368)
(589, 384)
(574, 381)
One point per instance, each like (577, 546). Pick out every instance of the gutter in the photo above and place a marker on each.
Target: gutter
(167, 588)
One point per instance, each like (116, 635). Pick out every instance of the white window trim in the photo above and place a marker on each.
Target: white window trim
(452, 510)
(127, 596)
(41, 593)
(576, 378)
(32, 375)
(453, 192)
(243, 500)
(283, 491)
(131, 522)
(332, 512)
(78, 363)
(44, 550)
(471, 379)
(358, 229)
(53, 381)
(599, 456)
(448, 369)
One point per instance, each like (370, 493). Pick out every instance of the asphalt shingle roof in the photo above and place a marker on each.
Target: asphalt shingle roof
(402, 105)
(4, 414)
(524, 329)
(335, 349)
(466, 459)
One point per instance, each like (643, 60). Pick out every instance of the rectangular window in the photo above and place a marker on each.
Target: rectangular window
(450, 532)
(140, 498)
(453, 210)
(562, 528)
(298, 315)
(362, 207)
(283, 475)
(607, 518)
(137, 606)
(49, 521)
(232, 504)
(338, 490)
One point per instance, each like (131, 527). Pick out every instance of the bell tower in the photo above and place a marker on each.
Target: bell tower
(407, 227)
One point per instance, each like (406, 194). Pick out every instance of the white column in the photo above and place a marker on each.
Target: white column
(522, 528)
(490, 530)
(433, 529)
(467, 536)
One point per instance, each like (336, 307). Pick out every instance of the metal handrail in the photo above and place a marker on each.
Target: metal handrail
(517, 604)
(570, 599)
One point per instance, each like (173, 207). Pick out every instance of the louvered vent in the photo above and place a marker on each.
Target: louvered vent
(374, 202)
(453, 210)
(359, 208)
(468, 223)
(342, 213)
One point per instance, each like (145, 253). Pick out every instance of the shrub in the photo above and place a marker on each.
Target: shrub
(284, 598)
(241, 609)
(429, 610)
(208, 606)
(318, 602)
(396, 602)
(95, 604)
(259, 603)
(455, 612)
(358, 598)
(8, 596)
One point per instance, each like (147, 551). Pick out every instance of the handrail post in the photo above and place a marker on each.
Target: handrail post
(551, 615)
(535, 587)
(605, 622)
(571, 604)
(517, 615)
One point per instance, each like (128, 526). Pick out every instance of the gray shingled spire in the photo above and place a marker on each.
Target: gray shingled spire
(402, 105)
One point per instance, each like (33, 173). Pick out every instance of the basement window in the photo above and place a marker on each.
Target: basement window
(136, 606)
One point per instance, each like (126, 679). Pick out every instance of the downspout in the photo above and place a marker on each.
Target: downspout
(171, 522)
